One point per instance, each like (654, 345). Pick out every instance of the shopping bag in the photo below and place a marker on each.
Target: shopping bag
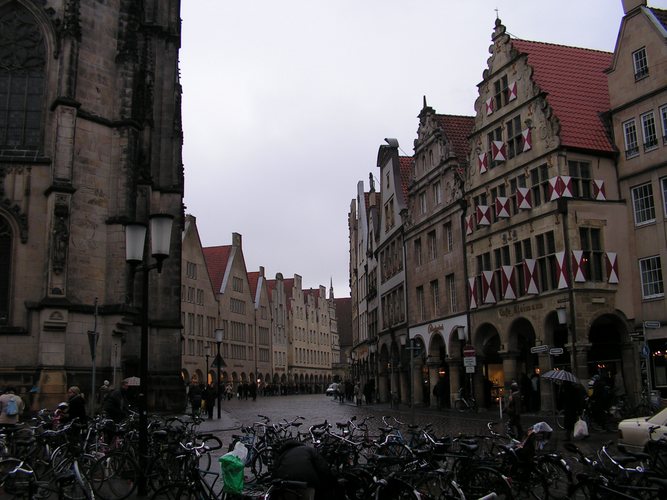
(580, 429)
(231, 467)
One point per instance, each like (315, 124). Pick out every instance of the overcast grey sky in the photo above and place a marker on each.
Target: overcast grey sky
(285, 103)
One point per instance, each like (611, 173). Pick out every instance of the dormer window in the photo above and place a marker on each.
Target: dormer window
(640, 63)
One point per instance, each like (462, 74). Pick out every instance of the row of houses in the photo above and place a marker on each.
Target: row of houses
(271, 332)
(527, 237)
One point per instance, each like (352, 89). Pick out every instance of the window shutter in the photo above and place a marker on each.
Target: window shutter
(489, 106)
(482, 160)
(561, 270)
(472, 292)
(530, 275)
(502, 206)
(483, 218)
(508, 282)
(524, 198)
(527, 140)
(469, 226)
(488, 296)
(599, 192)
(498, 151)
(612, 268)
(577, 266)
(511, 90)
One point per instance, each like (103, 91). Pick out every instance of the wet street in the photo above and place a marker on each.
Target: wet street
(316, 408)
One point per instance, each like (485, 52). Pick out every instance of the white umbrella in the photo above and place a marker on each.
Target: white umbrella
(133, 381)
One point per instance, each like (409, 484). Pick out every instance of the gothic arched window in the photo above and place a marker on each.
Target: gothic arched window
(5, 268)
(22, 78)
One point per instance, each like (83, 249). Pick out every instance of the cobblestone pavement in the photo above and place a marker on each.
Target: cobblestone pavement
(316, 408)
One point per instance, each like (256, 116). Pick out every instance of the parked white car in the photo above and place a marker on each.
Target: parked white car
(633, 433)
(331, 390)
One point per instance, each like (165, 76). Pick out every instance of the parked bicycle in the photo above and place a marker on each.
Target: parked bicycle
(465, 403)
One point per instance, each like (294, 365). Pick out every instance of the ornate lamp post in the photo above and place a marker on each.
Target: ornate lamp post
(218, 340)
(137, 256)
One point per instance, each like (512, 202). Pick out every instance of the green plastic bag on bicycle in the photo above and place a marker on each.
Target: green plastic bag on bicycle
(231, 467)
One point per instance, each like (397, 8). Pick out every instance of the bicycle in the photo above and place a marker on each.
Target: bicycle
(463, 403)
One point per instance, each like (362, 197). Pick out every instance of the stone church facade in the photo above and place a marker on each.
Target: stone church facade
(90, 140)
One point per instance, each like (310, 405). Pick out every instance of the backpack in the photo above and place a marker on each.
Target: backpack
(12, 408)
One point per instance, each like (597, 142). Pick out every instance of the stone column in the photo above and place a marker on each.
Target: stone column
(454, 367)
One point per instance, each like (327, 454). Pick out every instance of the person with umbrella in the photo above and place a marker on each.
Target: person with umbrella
(574, 399)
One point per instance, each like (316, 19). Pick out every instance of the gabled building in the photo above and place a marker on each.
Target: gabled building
(434, 254)
(262, 325)
(229, 276)
(546, 257)
(199, 309)
(279, 292)
(393, 358)
(638, 109)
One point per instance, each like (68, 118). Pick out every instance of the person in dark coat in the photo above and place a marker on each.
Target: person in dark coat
(514, 410)
(115, 406)
(195, 397)
(210, 395)
(76, 407)
(298, 462)
(574, 399)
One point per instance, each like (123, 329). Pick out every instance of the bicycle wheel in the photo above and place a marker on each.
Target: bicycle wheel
(482, 481)
(18, 485)
(557, 476)
(560, 419)
(460, 405)
(76, 486)
(438, 485)
(114, 477)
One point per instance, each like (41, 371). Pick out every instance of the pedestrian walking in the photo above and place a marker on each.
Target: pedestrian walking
(116, 405)
(574, 399)
(11, 408)
(102, 393)
(76, 406)
(195, 397)
(209, 395)
(514, 410)
(357, 394)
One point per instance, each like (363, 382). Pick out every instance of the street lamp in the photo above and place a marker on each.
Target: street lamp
(207, 352)
(137, 257)
(218, 340)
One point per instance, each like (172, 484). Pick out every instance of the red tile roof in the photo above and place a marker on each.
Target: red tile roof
(216, 262)
(253, 279)
(457, 129)
(575, 82)
(406, 165)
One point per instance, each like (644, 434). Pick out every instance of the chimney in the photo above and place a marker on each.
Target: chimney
(630, 5)
(236, 240)
(261, 271)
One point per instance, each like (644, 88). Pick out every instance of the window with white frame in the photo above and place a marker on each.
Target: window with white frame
(643, 204)
(663, 184)
(435, 297)
(648, 131)
(630, 135)
(580, 175)
(432, 245)
(451, 291)
(663, 121)
(640, 63)
(651, 277)
(514, 137)
(422, 203)
(449, 237)
(437, 193)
